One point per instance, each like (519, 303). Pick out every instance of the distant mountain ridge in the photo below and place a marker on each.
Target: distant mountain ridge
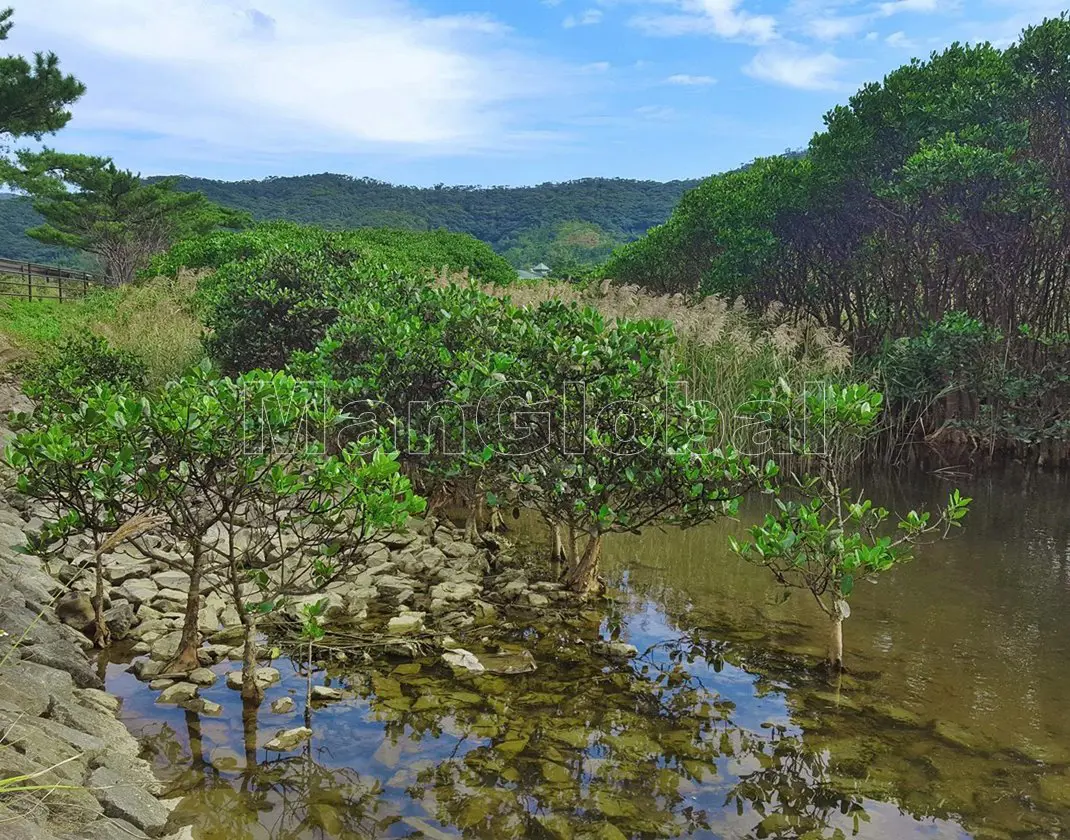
(500, 216)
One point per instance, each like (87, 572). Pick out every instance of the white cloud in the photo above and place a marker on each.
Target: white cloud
(721, 18)
(316, 76)
(590, 17)
(833, 28)
(900, 40)
(894, 7)
(686, 80)
(596, 67)
(793, 66)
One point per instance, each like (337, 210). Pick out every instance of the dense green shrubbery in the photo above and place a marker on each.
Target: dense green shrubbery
(942, 189)
(62, 377)
(276, 288)
(412, 253)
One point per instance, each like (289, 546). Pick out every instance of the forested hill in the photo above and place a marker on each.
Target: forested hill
(505, 217)
(497, 215)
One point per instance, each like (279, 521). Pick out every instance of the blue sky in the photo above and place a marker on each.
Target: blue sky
(478, 91)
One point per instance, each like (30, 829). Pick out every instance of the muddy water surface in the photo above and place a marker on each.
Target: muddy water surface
(953, 722)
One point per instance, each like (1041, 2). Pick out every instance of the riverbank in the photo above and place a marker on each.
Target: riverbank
(77, 770)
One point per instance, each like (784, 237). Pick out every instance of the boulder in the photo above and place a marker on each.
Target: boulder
(325, 693)
(172, 579)
(283, 706)
(459, 591)
(508, 663)
(463, 659)
(264, 677)
(177, 694)
(120, 619)
(138, 591)
(616, 650)
(124, 799)
(288, 739)
(109, 829)
(409, 622)
(63, 656)
(75, 609)
(166, 647)
(202, 676)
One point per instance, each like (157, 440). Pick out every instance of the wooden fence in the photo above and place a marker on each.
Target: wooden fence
(32, 281)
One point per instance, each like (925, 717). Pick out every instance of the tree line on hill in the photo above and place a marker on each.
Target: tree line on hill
(577, 223)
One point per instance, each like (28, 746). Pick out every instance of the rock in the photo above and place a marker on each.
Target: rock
(166, 647)
(618, 650)
(201, 706)
(398, 540)
(288, 739)
(177, 694)
(211, 654)
(64, 656)
(535, 599)
(110, 829)
(508, 663)
(202, 676)
(283, 706)
(465, 659)
(169, 599)
(172, 579)
(124, 799)
(75, 609)
(324, 693)
(456, 591)
(147, 669)
(119, 568)
(101, 699)
(484, 613)
(222, 758)
(138, 591)
(263, 676)
(120, 619)
(514, 589)
(411, 622)
(457, 550)
(161, 684)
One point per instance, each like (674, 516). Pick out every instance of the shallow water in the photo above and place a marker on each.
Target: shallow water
(953, 722)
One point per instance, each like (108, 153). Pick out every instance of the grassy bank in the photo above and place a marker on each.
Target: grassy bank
(156, 321)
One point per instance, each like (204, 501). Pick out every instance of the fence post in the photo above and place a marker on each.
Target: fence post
(29, 284)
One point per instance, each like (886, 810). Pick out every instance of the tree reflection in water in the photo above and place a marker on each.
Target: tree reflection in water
(585, 747)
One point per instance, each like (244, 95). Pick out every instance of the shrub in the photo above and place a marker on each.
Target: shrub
(78, 365)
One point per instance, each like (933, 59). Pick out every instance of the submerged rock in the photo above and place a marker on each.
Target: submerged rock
(508, 663)
(289, 739)
(618, 650)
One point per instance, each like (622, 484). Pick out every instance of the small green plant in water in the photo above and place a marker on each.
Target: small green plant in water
(822, 537)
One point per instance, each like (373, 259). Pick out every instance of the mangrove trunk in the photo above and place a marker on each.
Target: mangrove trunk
(582, 577)
(186, 658)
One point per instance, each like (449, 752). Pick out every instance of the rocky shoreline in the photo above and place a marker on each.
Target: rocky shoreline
(58, 727)
(415, 590)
